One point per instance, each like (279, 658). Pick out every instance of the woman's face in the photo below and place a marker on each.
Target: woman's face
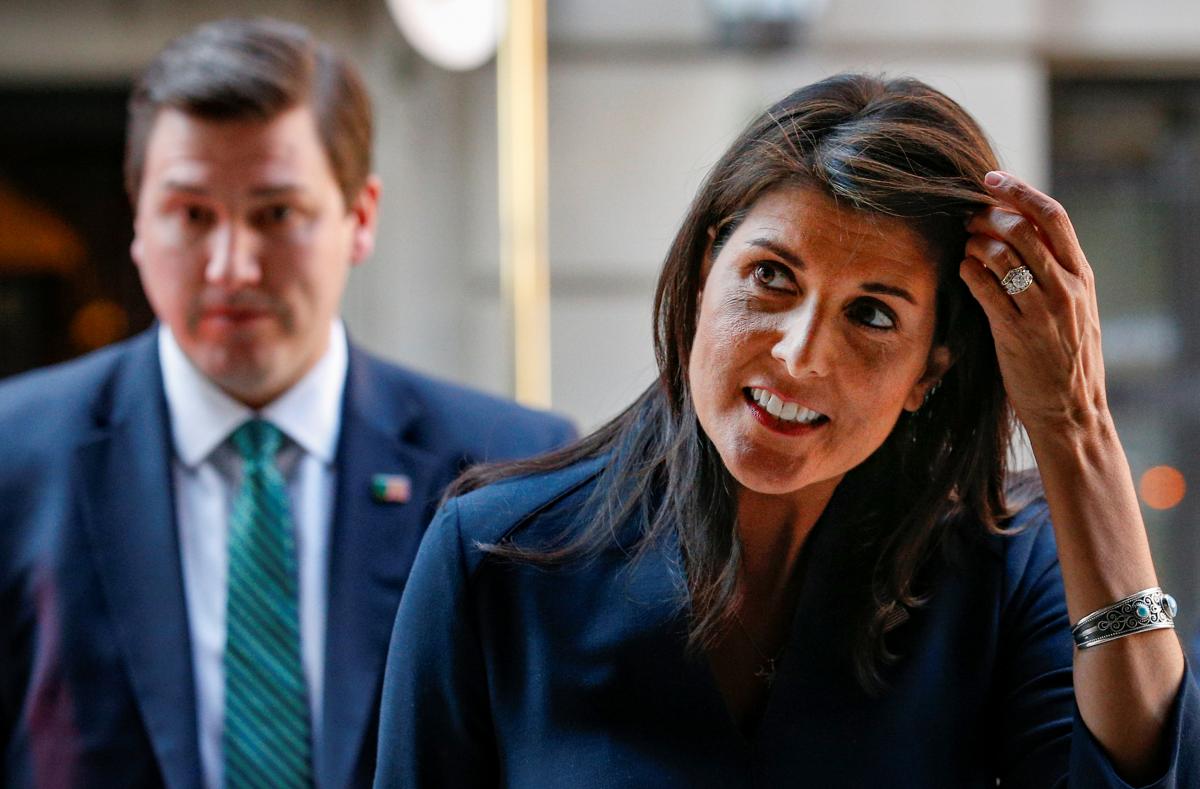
(815, 330)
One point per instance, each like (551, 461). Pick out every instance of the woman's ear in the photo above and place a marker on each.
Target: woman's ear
(707, 263)
(939, 362)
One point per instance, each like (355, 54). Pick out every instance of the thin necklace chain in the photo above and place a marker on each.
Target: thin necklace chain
(768, 665)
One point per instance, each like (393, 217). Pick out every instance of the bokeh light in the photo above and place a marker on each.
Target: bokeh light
(1162, 487)
(98, 323)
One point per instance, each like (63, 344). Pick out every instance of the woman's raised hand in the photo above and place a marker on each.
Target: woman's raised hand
(1047, 333)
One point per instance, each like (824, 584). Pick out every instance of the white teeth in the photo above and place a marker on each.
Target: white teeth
(807, 415)
(776, 407)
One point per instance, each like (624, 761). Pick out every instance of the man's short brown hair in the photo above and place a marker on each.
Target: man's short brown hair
(255, 69)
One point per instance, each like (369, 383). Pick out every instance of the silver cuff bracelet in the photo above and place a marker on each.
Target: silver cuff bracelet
(1149, 609)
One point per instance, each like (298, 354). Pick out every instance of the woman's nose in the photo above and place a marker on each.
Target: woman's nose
(802, 340)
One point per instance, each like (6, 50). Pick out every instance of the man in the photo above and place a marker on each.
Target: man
(204, 531)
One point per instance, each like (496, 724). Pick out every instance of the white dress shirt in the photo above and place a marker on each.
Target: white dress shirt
(206, 471)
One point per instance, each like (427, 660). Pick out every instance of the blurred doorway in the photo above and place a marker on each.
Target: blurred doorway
(1126, 164)
(67, 285)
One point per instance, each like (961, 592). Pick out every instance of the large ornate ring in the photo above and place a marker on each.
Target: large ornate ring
(1017, 281)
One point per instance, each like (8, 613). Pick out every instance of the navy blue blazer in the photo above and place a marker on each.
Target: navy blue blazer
(96, 683)
(507, 674)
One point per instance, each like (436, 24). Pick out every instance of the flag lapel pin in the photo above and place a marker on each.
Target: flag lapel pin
(391, 488)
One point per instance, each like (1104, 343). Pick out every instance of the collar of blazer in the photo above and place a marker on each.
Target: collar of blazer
(124, 494)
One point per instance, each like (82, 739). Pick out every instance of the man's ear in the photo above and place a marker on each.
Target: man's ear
(939, 362)
(366, 215)
(135, 250)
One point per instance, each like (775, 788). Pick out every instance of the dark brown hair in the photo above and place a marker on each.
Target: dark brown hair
(897, 148)
(255, 69)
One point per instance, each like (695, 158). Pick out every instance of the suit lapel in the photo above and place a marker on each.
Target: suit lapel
(129, 516)
(372, 544)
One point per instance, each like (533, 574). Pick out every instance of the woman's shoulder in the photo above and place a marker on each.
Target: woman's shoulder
(1023, 553)
(542, 501)
(1021, 527)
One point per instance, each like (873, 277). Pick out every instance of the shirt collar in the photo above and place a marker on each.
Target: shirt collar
(202, 415)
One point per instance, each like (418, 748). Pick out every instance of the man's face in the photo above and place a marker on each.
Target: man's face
(243, 241)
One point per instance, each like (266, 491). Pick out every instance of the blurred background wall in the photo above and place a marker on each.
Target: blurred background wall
(1096, 100)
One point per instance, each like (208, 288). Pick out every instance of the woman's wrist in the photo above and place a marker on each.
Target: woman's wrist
(1102, 543)
(1072, 427)
(1082, 441)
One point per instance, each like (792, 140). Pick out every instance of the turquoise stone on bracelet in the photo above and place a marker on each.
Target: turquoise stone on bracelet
(1149, 609)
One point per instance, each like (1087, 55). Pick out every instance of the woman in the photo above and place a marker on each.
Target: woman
(794, 560)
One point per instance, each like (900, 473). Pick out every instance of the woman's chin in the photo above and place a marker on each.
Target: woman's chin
(775, 479)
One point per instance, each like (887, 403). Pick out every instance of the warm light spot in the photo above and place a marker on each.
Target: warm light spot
(98, 323)
(1162, 487)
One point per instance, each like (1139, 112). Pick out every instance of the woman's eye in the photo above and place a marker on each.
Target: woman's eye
(772, 276)
(873, 314)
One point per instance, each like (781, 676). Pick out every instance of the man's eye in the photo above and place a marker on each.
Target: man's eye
(873, 314)
(197, 214)
(771, 275)
(273, 215)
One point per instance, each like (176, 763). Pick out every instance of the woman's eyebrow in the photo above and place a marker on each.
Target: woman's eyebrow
(794, 260)
(889, 290)
(774, 246)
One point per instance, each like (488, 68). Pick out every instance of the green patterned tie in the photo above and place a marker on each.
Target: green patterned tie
(267, 741)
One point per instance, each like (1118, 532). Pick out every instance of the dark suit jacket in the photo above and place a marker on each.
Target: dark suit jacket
(96, 683)
(507, 674)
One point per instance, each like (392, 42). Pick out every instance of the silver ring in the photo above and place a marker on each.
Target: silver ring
(1017, 281)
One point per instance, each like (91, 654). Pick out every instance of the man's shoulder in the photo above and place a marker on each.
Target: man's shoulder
(483, 424)
(449, 398)
(46, 414)
(35, 399)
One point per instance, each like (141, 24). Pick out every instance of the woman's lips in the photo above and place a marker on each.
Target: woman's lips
(777, 425)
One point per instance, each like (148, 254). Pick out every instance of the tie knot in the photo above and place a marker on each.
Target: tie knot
(257, 441)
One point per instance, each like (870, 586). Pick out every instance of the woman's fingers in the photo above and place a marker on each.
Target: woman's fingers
(1004, 240)
(1047, 334)
(996, 255)
(1030, 229)
(997, 305)
(1051, 228)
(1001, 259)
